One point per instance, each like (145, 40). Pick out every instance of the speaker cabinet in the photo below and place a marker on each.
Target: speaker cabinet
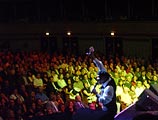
(154, 88)
(147, 101)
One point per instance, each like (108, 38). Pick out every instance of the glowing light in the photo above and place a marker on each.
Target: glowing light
(47, 33)
(69, 33)
(112, 33)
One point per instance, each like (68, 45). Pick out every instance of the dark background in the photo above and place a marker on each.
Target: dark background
(23, 24)
(77, 10)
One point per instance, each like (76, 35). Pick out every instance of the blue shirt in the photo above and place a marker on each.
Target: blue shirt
(41, 96)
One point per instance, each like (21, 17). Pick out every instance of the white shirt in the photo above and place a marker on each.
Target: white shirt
(106, 95)
(139, 90)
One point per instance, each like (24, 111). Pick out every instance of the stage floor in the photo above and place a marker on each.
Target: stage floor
(130, 112)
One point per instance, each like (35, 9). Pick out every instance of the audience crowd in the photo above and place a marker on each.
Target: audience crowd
(34, 84)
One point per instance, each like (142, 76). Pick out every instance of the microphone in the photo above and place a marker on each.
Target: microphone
(88, 53)
(91, 50)
(94, 90)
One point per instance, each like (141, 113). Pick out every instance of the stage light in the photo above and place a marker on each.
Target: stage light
(68, 33)
(47, 33)
(112, 33)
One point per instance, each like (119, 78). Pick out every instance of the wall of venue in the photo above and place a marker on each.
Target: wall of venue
(131, 38)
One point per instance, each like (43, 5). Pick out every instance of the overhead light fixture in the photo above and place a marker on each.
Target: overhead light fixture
(47, 33)
(112, 33)
(68, 33)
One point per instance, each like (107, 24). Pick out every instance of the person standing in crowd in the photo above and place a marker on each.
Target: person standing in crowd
(107, 96)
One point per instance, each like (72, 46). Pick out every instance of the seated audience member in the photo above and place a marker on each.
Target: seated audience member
(134, 80)
(1, 118)
(10, 115)
(143, 76)
(52, 104)
(15, 95)
(88, 96)
(61, 82)
(31, 98)
(77, 87)
(23, 78)
(86, 79)
(62, 85)
(137, 72)
(116, 77)
(40, 107)
(6, 87)
(4, 97)
(69, 106)
(119, 88)
(155, 73)
(92, 106)
(23, 91)
(154, 80)
(92, 77)
(139, 88)
(51, 87)
(67, 90)
(38, 82)
(146, 84)
(45, 78)
(30, 78)
(59, 99)
(21, 109)
(12, 105)
(41, 95)
(49, 111)
(31, 112)
(55, 83)
(78, 104)
(125, 97)
(61, 108)
(3, 105)
(133, 94)
(148, 75)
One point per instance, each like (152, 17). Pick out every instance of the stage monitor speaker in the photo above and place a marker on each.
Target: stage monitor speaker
(154, 88)
(128, 113)
(147, 101)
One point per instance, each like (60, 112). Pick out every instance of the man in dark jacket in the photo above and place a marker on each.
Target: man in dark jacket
(107, 96)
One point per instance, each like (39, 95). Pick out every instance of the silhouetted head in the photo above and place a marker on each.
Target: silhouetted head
(102, 76)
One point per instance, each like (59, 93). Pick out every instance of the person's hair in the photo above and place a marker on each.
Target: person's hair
(104, 74)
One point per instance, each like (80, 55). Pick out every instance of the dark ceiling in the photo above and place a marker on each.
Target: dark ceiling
(77, 10)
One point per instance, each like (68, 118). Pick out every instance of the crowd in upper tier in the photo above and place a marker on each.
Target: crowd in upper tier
(35, 84)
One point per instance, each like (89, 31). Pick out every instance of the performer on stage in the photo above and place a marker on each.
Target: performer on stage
(107, 96)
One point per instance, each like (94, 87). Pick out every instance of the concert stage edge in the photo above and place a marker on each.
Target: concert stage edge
(146, 108)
